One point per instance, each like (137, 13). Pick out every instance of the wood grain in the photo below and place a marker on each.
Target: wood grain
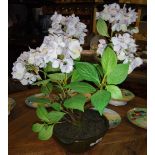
(126, 139)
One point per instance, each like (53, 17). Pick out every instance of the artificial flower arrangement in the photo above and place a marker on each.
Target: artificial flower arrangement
(55, 66)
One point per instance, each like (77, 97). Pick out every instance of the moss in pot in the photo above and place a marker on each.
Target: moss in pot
(84, 133)
(56, 66)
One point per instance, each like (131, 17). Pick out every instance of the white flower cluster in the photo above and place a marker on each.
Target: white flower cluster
(120, 18)
(69, 26)
(58, 48)
(61, 51)
(125, 48)
(23, 70)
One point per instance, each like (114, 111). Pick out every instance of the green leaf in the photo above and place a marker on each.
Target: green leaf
(38, 99)
(81, 87)
(46, 132)
(42, 113)
(102, 28)
(55, 116)
(108, 60)
(37, 127)
(56, 106)
(57, 77)
(115, 91)
(41, 82)
(99, 69)
(100, 100)
(88, 72)
(76, 102)
(119, 74)
(76, 76)
(46, 89)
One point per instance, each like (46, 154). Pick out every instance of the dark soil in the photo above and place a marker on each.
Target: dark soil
(91, 125)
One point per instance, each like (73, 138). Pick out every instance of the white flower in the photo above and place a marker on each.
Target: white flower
(123, 27)
(109, 12)
(58, 48)
(26, 63)
(135, 63)
(101, 46)
(29, 78)
(66, 65)
(125, 48)
(36, 58)
(123, 44)
(18, 70)
(24, 82)
(120, 18)
(74, 48)
(51, 45)
(121, 55)
(57, 18)
(68, 26)
(56, 63)
(24, 56)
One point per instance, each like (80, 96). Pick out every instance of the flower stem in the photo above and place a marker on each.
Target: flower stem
(103, 82)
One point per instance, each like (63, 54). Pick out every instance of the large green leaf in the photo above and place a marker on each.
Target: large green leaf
(37, 127)
(102, 28)
(88, 72)
(100, 100)
(46, 132)
(56, 106)
(55, 116)
(75, 102)
(118, 75)
(76, 76)
(57, 77)
(81, 87)
(115, 91)
(42, 113)
(108, 60)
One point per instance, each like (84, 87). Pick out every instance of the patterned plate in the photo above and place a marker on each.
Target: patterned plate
(138, 116)
(113, 117)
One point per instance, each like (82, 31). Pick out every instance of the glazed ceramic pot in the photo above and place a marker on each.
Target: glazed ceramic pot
(83, 136)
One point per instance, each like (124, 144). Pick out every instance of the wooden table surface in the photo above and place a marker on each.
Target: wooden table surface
(126, 139)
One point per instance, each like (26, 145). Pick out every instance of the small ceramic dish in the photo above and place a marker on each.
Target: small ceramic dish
(138, 116)
(113, 117)
(35, 104)
(127, 96)
(11, 104)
